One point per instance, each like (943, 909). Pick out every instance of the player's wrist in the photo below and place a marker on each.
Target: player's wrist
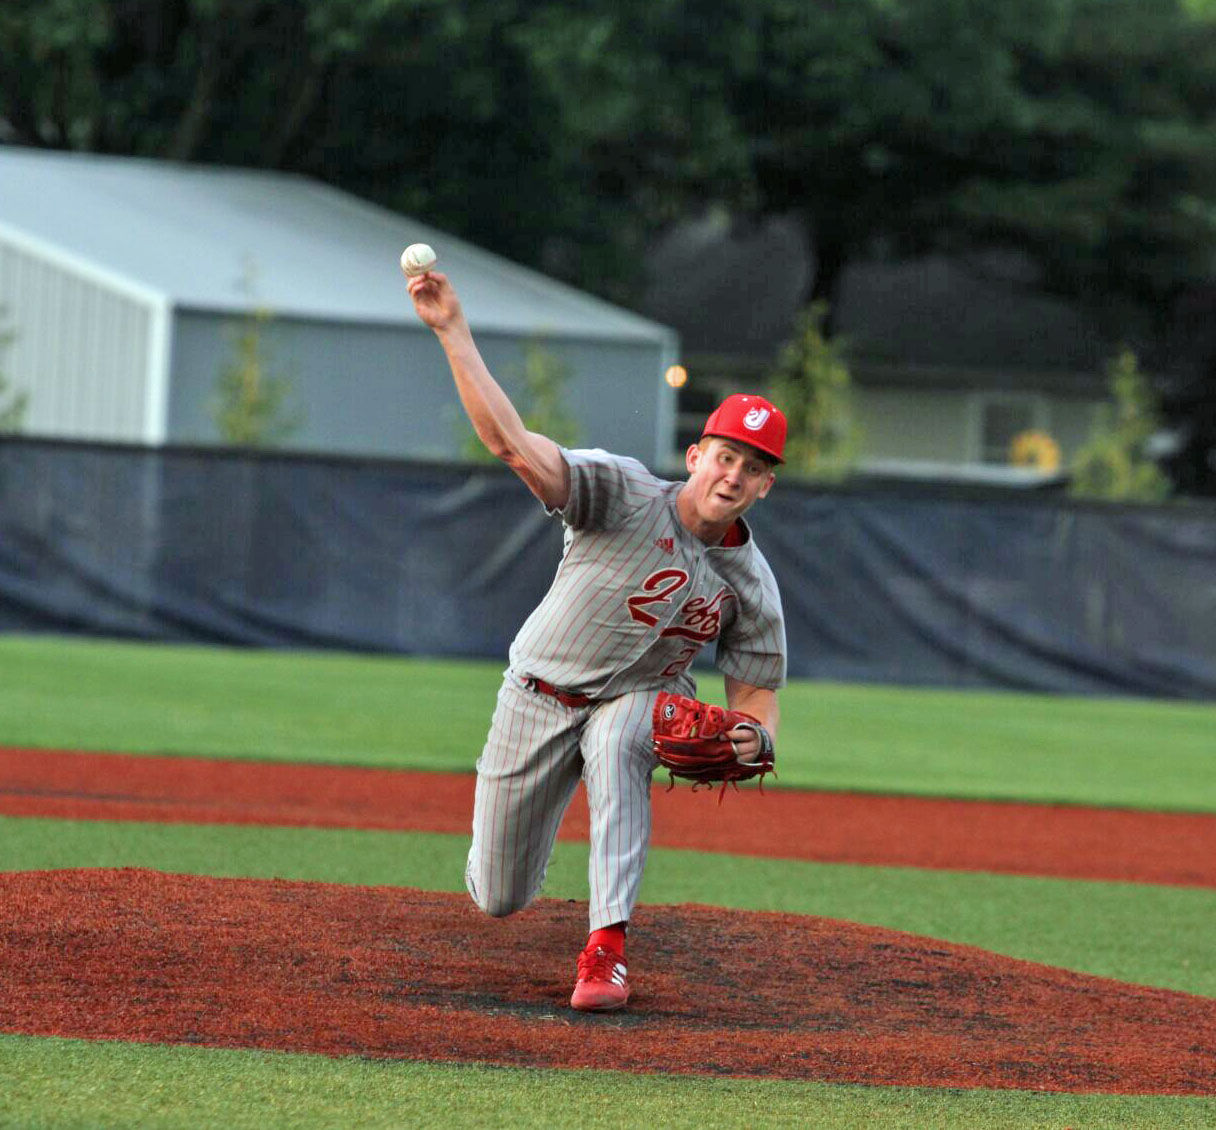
(453, 328)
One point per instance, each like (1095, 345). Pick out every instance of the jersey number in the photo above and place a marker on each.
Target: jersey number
(701, 618)
(656, 589)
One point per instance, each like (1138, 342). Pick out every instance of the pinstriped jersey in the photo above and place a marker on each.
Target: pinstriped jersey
(637, 596)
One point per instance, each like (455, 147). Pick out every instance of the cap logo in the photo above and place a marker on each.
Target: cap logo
(755, 419)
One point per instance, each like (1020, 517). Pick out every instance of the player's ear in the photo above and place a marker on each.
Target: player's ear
(692, 457)
(768, 485)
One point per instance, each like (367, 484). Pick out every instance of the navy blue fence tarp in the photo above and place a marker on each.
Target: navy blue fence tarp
(290, 551)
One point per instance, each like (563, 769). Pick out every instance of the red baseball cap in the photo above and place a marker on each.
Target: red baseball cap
(751, 420)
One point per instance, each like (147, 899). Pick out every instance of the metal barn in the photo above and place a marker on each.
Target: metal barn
(123, 282)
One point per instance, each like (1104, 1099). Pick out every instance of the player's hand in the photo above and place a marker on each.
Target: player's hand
(435, 300)
(746, 742)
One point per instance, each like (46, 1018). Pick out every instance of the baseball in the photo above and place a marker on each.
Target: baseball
(417, 259)
(676, 376)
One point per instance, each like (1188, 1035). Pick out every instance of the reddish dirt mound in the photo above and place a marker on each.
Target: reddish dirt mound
(1030, 839)
(386, 972)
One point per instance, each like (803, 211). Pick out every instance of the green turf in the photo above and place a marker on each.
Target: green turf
(1151, 935)
(432, 714)
(281, 706)
(62, 1084)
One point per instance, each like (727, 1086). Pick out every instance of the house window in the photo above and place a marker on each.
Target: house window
(1000, 419)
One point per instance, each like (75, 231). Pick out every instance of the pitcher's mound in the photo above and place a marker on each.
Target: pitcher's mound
(399, 973)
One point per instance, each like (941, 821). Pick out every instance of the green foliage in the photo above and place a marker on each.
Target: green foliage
(811, 384)
(543, 376)
(1113, 465)
(14, 403)
(13, 406)
(556, 134)
(564, 135)
(251, 407)
(1078, 132)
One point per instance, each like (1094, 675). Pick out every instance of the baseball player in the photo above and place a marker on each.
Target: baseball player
(651, 572)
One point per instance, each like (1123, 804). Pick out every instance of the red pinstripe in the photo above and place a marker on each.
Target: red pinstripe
(582, 638)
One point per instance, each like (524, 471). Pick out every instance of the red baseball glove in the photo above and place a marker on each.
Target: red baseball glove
(690, 742)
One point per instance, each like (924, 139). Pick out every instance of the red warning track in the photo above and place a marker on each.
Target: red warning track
(1068, 841)
(403, 974)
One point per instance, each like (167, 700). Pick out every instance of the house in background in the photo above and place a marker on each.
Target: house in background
(950, 358)
(124, 280)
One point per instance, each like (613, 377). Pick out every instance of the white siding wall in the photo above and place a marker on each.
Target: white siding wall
(911, 425)
(385, 389)
(1072, 423)
(80, 350)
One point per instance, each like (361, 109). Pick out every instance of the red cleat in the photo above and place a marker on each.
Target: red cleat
(601, 984)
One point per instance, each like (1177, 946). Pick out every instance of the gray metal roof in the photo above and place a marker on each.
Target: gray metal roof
(196, 236)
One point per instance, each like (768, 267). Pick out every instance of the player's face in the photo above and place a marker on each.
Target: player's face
(726, 478)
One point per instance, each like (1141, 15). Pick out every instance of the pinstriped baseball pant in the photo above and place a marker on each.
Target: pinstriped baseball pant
(534, 756)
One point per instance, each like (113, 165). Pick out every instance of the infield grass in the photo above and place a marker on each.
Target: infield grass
(62, 1084)
(433, 714)
(1150, 935)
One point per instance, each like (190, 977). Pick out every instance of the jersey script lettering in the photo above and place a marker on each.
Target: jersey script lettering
(700, 618)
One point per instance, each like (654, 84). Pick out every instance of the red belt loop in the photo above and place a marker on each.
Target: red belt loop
(566, 698)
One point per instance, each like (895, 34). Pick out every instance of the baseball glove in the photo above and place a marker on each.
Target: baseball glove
(690, 742)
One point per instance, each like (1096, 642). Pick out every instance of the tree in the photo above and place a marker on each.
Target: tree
(168, 77)
(14, 403)
(563, 135)
(554, 133)
(811, 384)
(1113, 464)
(1080, 131)
(251, 408)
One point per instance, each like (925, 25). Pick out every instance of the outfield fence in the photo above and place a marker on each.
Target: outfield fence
(275, 550)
